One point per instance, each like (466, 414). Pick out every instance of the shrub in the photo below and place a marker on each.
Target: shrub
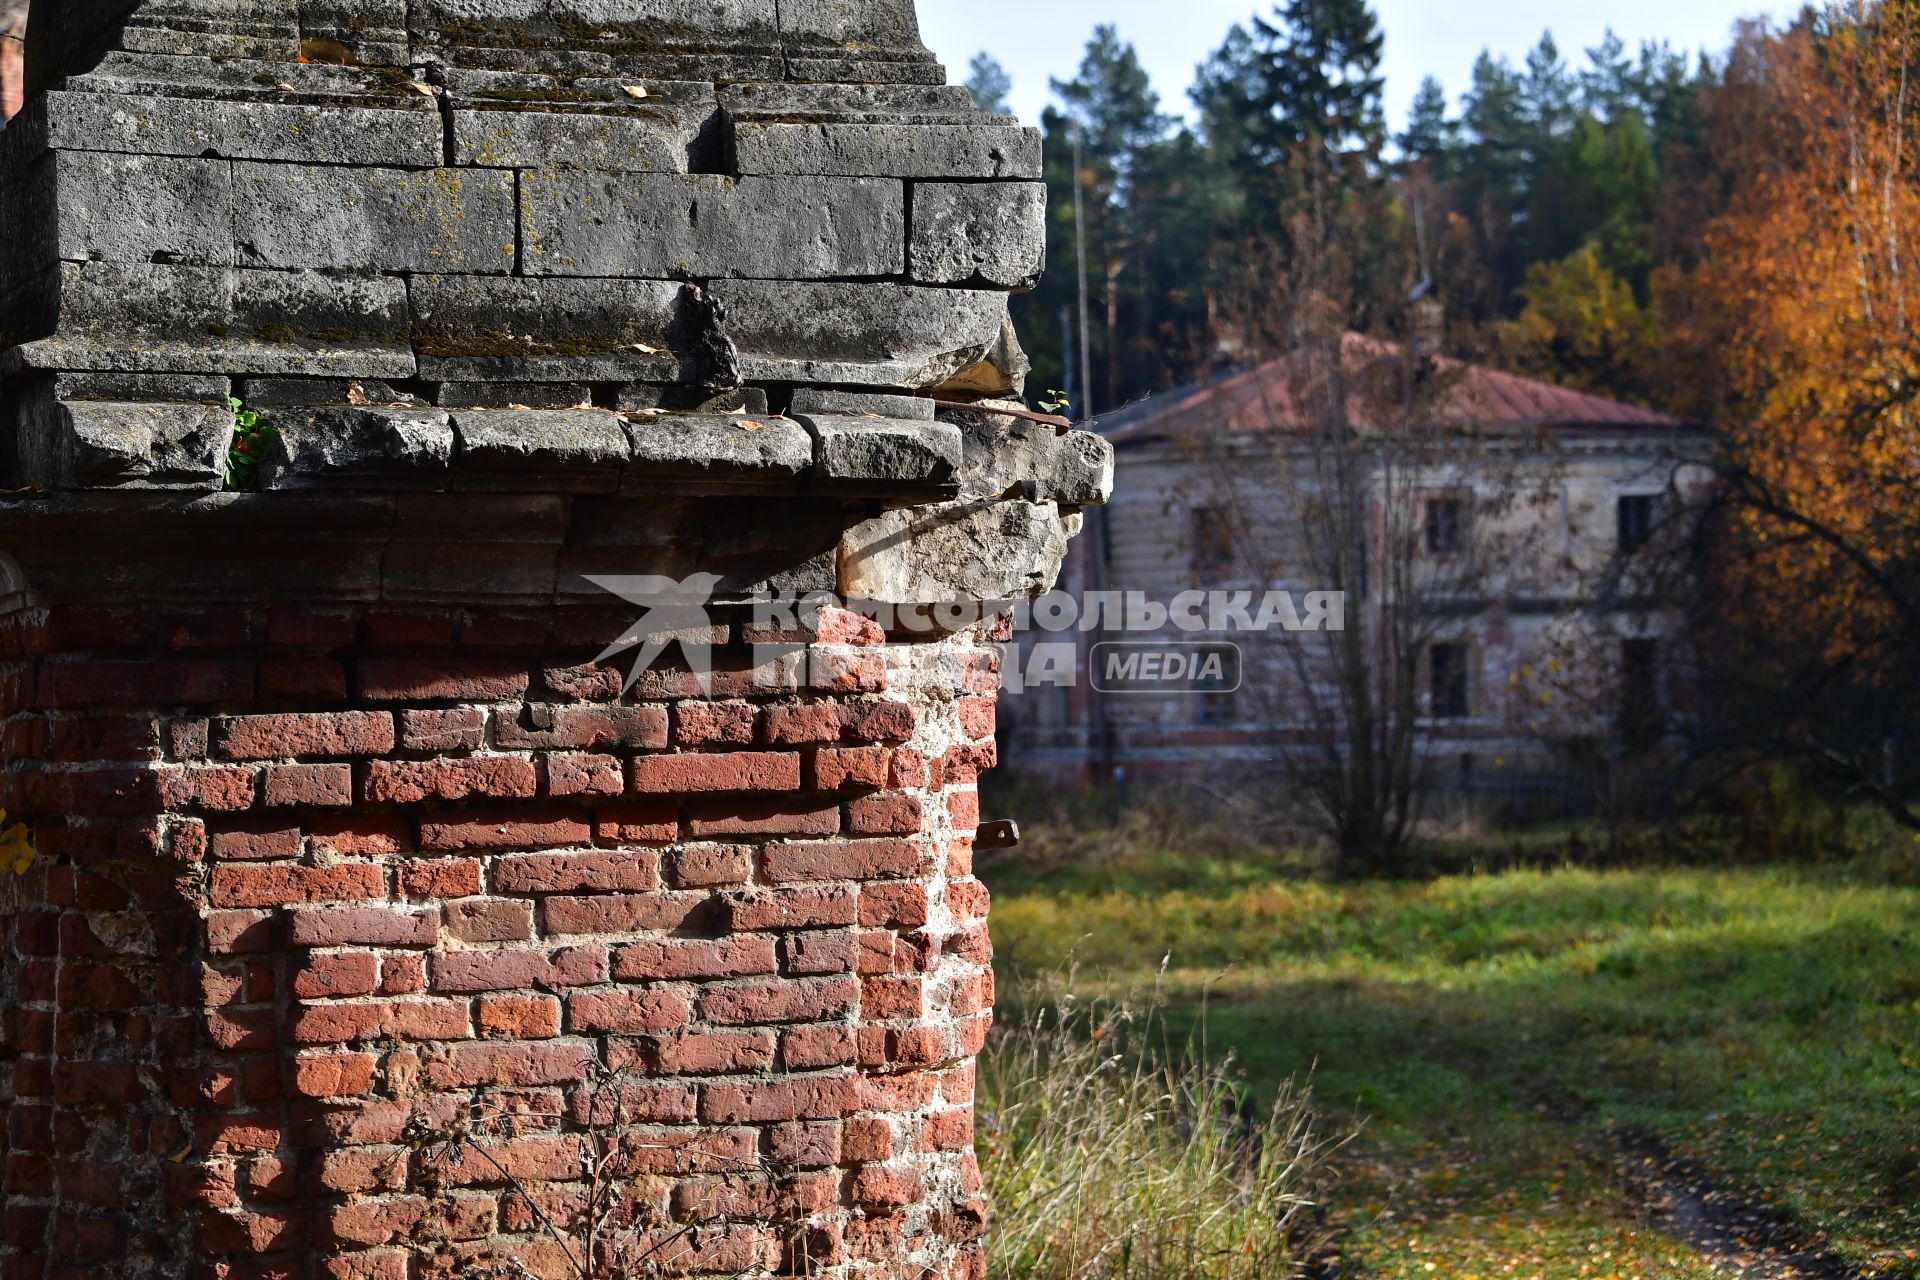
(1106, 1160)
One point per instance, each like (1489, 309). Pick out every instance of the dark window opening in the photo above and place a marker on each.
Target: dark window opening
(1636, 514)
(1218, 703)
(1449, 681)
(1212, 539)
(1640, 691)
(1446, 525)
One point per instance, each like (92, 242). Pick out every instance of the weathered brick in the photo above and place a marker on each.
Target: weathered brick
(333, 1075)
(465, 679)
(452, 729)
(782, 1000)
(889, 814)
(706, 865)
(518, 1017)
(335, 733)
(630, 870)
(477, 920)
(563, 727)
(425, 878)
(689, 773)
(514, 829)
(895, 905)
(759, 910)
(708, 1053)
(273, 886)
(775, 1100)
(255, 845)
(656, 822)
(577, 775)
(360, 835)
(482, 1062)
(761, 816)
(814, 1048)
(851, 768)
(709, 724)
(620, 913)
(626, 1010)
(680, 960)
(450, 778)
(362, 926)
(318, 785)
(407, 1020)
(335, 976)
(477, 971)
(840, 860)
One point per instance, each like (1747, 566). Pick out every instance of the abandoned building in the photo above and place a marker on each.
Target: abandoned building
(1521, 507)
(369, 368)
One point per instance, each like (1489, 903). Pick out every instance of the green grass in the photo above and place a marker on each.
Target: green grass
(1496, 1031)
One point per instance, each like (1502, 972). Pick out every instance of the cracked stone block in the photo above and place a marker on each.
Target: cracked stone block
(852, 103)
(706, 225)
(110, 445)
(887, 150)
(857, 452)
(440, 220)
(1073, 469)
(734, 447)
(862, 335)
(317, 448)
(993, 233)
(969, 550)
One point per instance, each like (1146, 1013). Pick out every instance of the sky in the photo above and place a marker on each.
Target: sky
(1036, 39)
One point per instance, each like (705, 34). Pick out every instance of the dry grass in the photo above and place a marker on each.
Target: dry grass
(1107, 1159)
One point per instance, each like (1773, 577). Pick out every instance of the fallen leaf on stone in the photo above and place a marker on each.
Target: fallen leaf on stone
(284, 87)
(645, 349)
(521, 407)
(584, 404)
(634, 90)
(426, 89)
(357, 394)
(748, 424)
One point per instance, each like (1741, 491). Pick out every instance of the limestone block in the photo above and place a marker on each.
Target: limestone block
(734, 448)
(406, 132)
(881, 24)
(441, 220)
(541, 438)
(853, 103)
(892, 456)
(969, 550)
(812, 400)
(895, 150)
(705, 225)
(107, 444)
(372, 447)
(993, 233)
(185, 209)
(161, 318)
(654, 141)
(862, 335)
(472, 328)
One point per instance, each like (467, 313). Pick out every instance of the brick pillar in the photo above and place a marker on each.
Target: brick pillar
(312, 883)
(374, 928)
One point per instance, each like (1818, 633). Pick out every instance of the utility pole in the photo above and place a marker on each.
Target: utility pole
(1080, 257)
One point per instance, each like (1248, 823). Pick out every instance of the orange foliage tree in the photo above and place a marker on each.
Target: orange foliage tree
(1799, 319)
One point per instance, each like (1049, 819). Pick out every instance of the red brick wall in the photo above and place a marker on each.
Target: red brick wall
(312, 885)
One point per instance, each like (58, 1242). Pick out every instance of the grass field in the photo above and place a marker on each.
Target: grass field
(1502, 1036)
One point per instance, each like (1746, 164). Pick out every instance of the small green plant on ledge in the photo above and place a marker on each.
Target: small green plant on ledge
(250, 438)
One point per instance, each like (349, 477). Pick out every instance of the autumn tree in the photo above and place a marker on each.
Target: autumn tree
(1799, 326)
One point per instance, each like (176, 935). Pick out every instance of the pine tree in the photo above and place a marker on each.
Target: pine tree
(989, 84)
(1430, 136)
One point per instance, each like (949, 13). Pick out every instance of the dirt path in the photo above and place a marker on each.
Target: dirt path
(1736, 1236)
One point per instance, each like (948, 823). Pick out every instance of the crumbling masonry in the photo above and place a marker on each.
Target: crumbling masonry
(361, 900)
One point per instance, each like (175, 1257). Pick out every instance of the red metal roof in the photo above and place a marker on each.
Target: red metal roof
(1445, 394)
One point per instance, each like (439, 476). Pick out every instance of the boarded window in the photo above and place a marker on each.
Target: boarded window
(1450, 682)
